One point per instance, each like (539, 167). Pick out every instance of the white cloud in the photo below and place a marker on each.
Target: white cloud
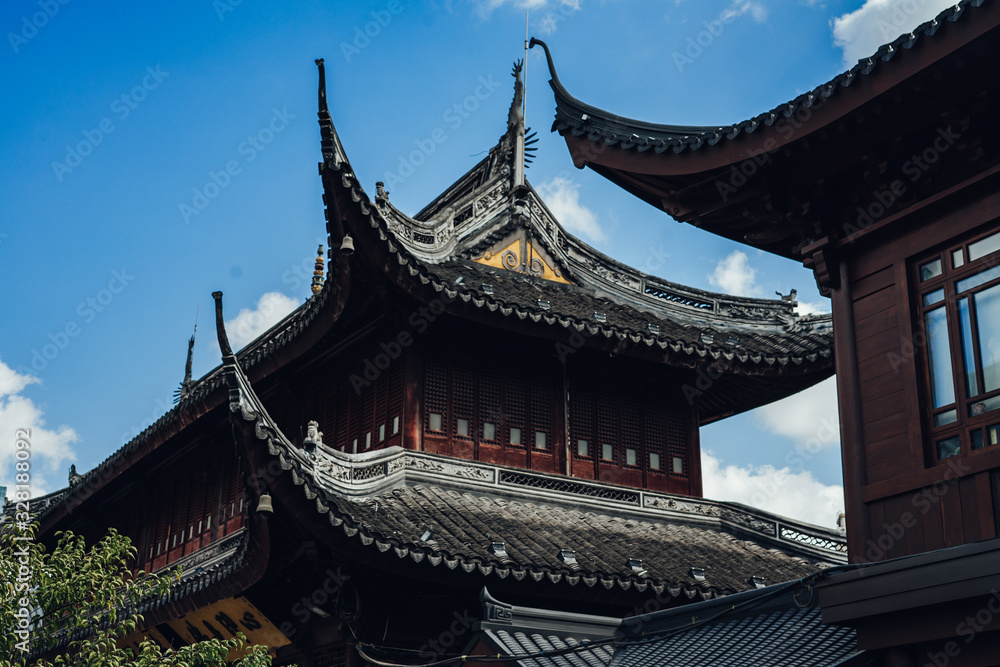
(271, 308)
(810, 417)
(562, 196)
(804, 308)
(877, 22)
(796, 495)
(50, 449)
(740, 7)
(563, 7)
(734, 275)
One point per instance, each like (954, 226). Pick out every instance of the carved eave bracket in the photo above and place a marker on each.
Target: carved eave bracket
(820, 257)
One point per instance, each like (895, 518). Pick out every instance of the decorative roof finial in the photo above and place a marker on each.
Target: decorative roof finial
(220, 330)
(186, 383)
(328, 135)
(515, 124)
(317, 283)
(74, 476)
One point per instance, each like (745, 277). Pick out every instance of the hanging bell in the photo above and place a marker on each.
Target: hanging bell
(347, 245)
(264, 507)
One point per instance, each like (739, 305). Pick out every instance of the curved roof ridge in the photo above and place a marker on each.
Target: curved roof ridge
(582, 118)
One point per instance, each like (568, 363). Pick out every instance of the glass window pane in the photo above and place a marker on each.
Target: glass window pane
(462, 427)
(946, 418)
(978, 279)
(434, 422)
(395, 425)
(654, 461)
(987, 304)
(368, 439)
(934, 297)
(957, 258)
(381, 432)
(968, 351)
(630, 457)
(607, 452)
(515, 435)
(976, 438)
(948, 448)
(930, 270)
(582, 448)
(986, 246)
(678, 465)
(489, 431)
(982, 407)
(939, 356)
(540, 440)
(993, 434)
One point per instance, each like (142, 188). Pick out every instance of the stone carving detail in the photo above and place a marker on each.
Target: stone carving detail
(750, 312)
(422, 464)
(473, 473)
(681, 506)
(750, 521)
(218, 550)
(793, 324)
(336, 471)
(491, 197)
(509, 260)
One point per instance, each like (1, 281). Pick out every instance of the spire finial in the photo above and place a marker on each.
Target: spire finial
(515, 123)
(317, 283)
(185, 388)
(220, 329)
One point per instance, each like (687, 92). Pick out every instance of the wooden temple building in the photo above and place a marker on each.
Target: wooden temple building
(471, 397)
(884, 181)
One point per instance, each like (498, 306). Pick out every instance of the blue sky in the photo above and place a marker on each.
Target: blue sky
(119, 219)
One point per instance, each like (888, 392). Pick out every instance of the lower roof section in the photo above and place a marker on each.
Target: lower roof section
(491, 521)
(777, 625)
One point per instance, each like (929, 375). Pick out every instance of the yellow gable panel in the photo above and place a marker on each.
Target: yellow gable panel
(532, 263)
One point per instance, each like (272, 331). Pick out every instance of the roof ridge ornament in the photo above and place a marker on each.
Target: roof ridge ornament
(220, 330)
(333, 152)
(515, 124)
(186, 384)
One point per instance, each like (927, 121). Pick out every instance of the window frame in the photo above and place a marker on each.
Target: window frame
(966, 423)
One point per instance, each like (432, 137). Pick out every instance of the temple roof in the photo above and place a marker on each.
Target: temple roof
(494, 252)
(498, 522)
(627, 134)
(774, 200)
(759, 350)
(777, 625)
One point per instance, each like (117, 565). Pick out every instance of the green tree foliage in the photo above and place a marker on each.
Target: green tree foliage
(87, 597)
